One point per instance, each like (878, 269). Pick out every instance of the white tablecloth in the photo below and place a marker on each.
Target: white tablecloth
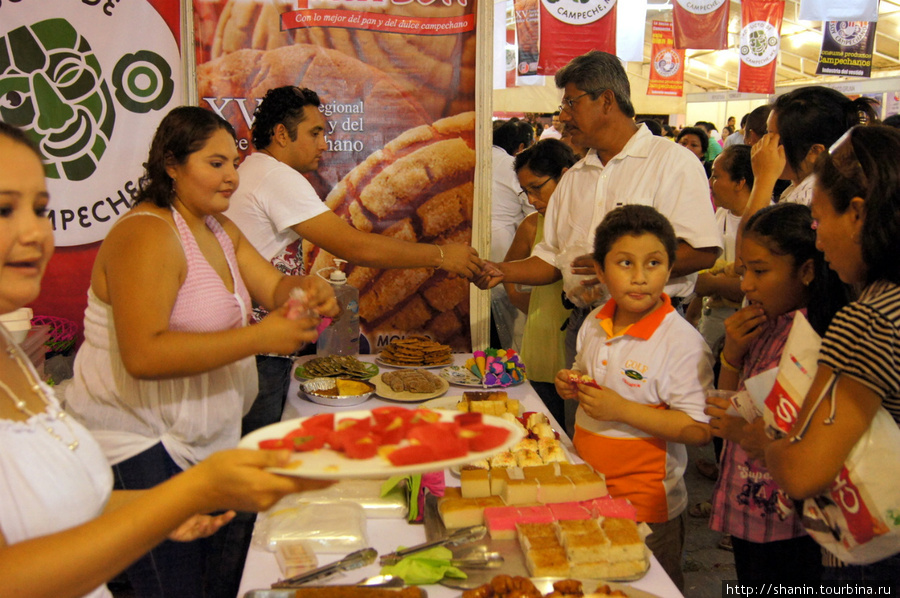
(386, 535)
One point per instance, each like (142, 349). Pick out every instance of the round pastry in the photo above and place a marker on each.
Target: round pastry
(439, 70)
(363, 106)
(417, 188)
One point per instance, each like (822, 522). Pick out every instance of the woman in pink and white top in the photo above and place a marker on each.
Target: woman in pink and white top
(167, 368)
(63, 531)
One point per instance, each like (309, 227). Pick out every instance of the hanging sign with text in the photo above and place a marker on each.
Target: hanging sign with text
(574, 27)
(847, 48)
(701, 24)
(666, 63)
(759, 45)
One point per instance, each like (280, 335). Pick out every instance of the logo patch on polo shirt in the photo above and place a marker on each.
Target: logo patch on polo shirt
(633, 373)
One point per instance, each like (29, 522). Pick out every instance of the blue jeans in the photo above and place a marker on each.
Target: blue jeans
(210, 567)
(274, 379)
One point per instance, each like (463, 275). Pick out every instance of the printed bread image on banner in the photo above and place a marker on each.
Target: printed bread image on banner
(397, 83)
(528, 35)
(418, 188)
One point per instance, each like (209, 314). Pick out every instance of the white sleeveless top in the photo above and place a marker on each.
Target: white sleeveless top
(46, 488)
(193, 416)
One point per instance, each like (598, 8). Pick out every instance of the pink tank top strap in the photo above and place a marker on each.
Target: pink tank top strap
(203, 303)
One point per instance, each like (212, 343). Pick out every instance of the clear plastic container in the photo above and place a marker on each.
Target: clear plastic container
(329, 528)
(342, 336)
(295, 557)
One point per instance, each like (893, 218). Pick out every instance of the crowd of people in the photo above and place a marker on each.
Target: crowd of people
(791, 232)
(691, 270)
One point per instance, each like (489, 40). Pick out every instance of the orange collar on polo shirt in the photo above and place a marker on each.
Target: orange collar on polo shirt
(643, 329)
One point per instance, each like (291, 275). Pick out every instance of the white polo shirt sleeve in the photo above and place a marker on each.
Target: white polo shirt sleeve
(689, 364)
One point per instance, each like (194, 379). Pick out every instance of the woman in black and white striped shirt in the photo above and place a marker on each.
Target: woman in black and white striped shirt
(856, 210)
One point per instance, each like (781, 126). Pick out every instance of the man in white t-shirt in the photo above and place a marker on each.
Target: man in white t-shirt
(276, 207)
(626, 164)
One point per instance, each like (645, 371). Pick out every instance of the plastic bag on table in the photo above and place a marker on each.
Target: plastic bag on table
(332, 527)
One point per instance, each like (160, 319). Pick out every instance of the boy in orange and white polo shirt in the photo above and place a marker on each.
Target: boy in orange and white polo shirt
(653, 368)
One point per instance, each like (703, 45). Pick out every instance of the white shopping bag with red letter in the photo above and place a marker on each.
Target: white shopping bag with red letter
(858, 517)
(796, 370)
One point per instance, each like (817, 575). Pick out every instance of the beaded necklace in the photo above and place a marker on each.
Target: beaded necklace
(15, 353)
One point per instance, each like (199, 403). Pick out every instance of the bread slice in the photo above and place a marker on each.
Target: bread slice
(598, 570)
(573, 469)
(539, 543)
(551, 451)
(501, 522)
(555, 490)
(625, 541)
(564, 511)
(536, 533)
(527, 457)
(499, 476)
(536, 529)
(576, 527)
(541, 472)
(475, 483)
(504, 459)
(586, 548)
(460, 512)
(548, 562)
(588, 486)
(627, 569)
(519, 492)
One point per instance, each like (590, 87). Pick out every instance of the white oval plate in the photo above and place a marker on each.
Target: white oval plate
(461, 376)
(443, 403)
(386, 392)
(326, 464)
(400, 366)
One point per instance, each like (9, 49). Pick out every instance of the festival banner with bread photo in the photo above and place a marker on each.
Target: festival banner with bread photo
(397, 84)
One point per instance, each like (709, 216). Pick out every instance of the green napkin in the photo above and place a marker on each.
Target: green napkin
(426, 567)
(412, 485)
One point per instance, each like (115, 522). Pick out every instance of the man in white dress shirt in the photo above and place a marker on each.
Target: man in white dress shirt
(626, 164)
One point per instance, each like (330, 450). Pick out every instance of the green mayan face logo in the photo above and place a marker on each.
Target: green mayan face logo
(758, 42)
(52, 86)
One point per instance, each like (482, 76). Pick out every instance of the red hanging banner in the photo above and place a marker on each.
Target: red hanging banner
(760, 44)
(569, 28)
(666, 63)
(701, 24)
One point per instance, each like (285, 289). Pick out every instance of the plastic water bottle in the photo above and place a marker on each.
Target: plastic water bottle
(342, 337)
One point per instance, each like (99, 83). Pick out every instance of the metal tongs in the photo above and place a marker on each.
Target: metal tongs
(460, 536)
(354, 560)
